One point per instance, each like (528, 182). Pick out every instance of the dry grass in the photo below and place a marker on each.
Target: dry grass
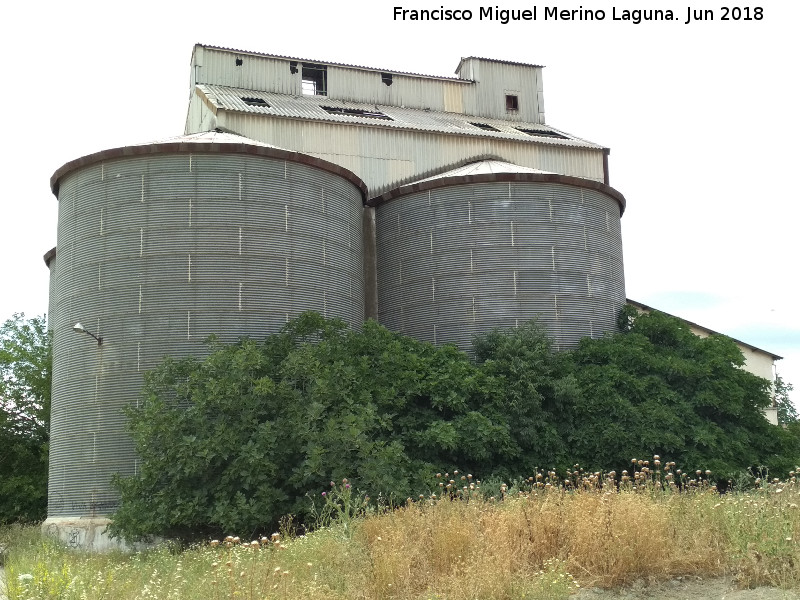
(533, 541)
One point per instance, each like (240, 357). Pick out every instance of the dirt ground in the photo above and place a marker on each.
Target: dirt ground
(689, 589)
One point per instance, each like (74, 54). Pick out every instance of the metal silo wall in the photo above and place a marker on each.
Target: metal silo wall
(156, 253)
(460, 260)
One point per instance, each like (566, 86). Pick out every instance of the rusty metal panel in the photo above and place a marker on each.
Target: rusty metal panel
(159, 251)
(527, 250)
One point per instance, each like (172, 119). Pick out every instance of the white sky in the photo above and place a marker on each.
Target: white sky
(702, 121)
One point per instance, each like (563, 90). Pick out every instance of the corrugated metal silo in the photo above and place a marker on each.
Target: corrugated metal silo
(162, 245)
(492, 245)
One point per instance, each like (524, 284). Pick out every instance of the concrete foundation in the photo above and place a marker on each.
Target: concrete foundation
(90, 534)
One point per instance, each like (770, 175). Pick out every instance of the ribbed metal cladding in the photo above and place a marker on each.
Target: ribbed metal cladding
(458, 260)
(385, 158)
(158, 251)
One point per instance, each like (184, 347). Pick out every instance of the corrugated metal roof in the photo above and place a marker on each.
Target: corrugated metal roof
(350, 66)
(209, 137)
(497, 60)
(483, 167)
(311, 108)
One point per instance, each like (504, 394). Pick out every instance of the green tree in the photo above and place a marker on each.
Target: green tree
(25, 368)
(234, 441)
(656, 388)
(531, 391)
(787, 411)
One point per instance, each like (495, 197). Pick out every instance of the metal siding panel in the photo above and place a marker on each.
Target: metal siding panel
(509, 264)
(385, 158)
(154, 258)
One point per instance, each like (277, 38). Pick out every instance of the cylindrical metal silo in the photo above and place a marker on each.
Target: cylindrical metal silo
(493, 245)
(160, 246)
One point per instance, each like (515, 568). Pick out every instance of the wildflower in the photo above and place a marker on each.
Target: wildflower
(214, 543)
(25, 577)
(324, 493)
(347, 485)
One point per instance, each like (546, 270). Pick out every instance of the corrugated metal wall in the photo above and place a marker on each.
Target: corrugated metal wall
(385, 159)
(463, 259)
(155, 253)
(485, 97)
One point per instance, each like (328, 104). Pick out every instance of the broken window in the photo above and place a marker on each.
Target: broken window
(255, 101)
(356, 112)
(542, 133)
(512, 102)
(386, 78)
(485, 126)
(239, 62)
(293, 67)
(315, 80)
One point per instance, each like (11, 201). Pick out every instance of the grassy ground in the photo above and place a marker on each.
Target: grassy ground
(545, 538)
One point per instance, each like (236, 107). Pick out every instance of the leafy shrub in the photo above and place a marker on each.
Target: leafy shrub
(236, 440)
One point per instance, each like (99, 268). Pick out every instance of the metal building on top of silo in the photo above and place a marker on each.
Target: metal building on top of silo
(162, 245)
(492, 244)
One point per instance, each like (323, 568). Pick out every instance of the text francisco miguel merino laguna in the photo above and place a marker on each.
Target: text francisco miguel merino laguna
(553, 13)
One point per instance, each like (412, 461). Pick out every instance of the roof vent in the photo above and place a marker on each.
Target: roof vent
(542, 133)
(255, 101)
(485, 127)
(356, 112)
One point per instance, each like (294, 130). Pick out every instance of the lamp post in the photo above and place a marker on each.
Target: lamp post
(81, 329)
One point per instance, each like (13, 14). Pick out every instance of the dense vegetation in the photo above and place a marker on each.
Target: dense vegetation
(25, 374)
(234, 441)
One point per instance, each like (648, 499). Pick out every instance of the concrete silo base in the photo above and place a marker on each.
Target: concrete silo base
(89, 534)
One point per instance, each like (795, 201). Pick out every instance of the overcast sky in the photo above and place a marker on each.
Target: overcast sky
(702, 120)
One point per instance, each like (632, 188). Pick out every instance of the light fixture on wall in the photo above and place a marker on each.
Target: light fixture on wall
(81, 329)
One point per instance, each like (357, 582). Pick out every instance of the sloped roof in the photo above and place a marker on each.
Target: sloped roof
(311, 108)
(646, 308)
(209, 137)
(207, 141)
(489, 170)
(482, 167)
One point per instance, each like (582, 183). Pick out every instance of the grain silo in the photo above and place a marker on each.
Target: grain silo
(492, 244)
(161, 245)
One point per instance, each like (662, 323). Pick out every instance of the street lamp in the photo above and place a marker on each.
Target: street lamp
(81, 329)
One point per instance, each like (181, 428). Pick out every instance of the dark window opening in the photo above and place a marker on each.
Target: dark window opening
(239, 62)
(315, 80)
(386, 78)
(293, 67)
(543, 133)
(356, 112)
(512, 102)
(255, 101)
(485, 127)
